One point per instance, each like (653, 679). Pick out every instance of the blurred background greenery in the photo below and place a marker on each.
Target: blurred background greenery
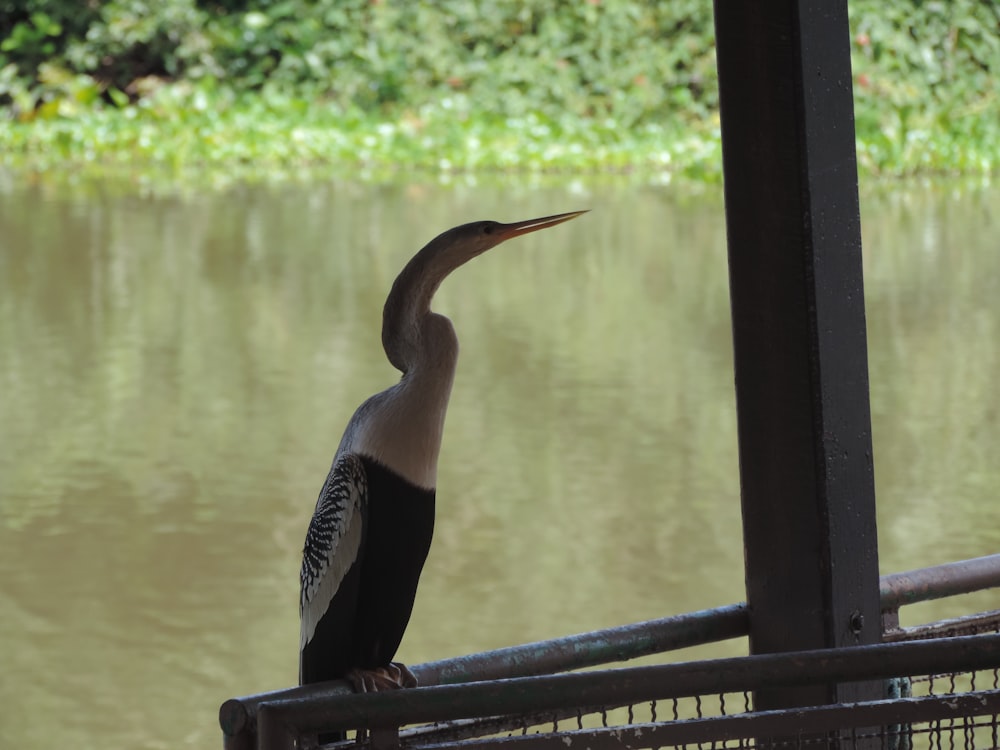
(458, 84)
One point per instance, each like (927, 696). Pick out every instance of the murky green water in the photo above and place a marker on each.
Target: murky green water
(175, 374)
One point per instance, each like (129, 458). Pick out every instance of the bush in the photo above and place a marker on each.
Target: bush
(511, 57)
(636, 60)
(920, 65)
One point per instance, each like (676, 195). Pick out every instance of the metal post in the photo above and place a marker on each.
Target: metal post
(799, 332)
(273, 732)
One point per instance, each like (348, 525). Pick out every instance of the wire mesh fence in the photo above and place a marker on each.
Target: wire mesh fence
(569, 723)
(946, 721)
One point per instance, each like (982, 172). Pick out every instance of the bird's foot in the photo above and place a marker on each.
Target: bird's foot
(392, 677)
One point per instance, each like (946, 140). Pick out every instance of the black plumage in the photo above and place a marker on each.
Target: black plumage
(371, 607)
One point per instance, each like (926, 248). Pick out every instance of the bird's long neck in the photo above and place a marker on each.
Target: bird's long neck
(423, 393)
(422, 345)
(410, 336)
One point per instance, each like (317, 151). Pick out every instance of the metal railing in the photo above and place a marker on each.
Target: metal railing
(263, 719)
(281, 724)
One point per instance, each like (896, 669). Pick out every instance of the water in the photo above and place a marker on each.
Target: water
(175, 374)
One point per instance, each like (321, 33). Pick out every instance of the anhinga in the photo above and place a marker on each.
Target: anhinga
(371, 530)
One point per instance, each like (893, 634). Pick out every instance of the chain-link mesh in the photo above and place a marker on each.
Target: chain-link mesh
(973, 727)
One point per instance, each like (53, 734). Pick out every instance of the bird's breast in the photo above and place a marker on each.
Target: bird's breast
(402, 426)
(403, 433)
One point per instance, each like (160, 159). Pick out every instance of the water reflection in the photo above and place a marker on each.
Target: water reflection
(176, 373)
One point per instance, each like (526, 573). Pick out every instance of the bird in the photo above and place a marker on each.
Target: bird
(371, 530)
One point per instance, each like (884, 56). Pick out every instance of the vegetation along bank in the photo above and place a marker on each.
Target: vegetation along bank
(281, 86)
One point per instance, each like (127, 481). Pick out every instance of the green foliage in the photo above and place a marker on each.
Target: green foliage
(133, 39)
(923, 69)
(594, 58)
(566, 73)
(36, 31)
(33, 37)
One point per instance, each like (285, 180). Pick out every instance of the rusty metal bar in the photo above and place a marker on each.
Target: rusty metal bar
(939, 581)
(788, 722)
(236, 716)
(462, 729)
(315, 713)
(982, 622)
(383, 738)
(273, 731)
(591, 649)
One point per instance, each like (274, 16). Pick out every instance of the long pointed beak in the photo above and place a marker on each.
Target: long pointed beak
(507, 231)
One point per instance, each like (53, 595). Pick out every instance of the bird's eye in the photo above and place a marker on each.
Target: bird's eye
(488, 227)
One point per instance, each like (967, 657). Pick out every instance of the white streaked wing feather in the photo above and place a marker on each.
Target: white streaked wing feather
(332, 542)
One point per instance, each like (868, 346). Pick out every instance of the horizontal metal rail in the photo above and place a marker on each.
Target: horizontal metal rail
(591, 649)
(279, 723)
(981, 622)
(542, 657)
(237, 716)
(939, 581)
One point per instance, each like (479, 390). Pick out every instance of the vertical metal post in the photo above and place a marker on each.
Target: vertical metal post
(273, 731)
(799, 332)
(384, 738)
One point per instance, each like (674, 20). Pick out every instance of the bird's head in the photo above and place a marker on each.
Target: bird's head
(467, 241)
(410, 297)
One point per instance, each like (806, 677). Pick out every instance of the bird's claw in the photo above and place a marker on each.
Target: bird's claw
(404, 677)
(392, 677)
